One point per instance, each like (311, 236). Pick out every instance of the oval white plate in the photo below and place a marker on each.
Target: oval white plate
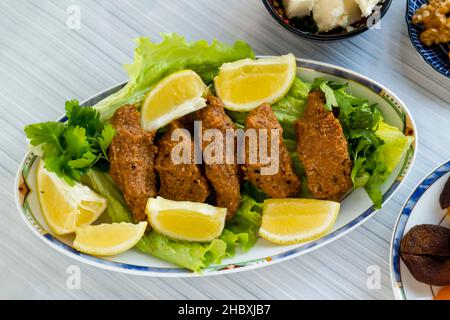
(422, 207)
(356, 208)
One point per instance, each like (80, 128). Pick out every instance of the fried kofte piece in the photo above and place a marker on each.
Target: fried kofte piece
(224, 177)
(182, 181)
(323, 150)
(425, 249)
(429, 270)
(283, 183)
(132, 158)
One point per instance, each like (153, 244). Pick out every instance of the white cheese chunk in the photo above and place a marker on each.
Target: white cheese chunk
(353, 11)
(329, 14)
(367, 6)
(297, 8)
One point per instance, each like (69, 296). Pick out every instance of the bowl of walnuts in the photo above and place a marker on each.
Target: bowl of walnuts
(429, 30)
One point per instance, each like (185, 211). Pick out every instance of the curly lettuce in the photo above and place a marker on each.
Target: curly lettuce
(289, 109)
(154, 61)
(387, 156)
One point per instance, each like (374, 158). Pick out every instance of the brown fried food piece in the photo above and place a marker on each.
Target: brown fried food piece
(184, 181)
(323, 150)
(284, 183)
(444, 198)
(132, 157)
(425, 250)
(224, 177)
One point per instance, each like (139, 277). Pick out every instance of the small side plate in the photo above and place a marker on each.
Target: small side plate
(422, 207)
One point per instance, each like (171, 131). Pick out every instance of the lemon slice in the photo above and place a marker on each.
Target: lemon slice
(108, 239)
(246, 84)
(65, 207)
(288, 221)
(183, 220)
(173, 97)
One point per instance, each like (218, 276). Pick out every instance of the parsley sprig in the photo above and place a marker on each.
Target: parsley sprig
(70, 149)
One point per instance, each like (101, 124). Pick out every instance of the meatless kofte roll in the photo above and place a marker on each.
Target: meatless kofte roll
(323, 150)
(180, 181)
(223, 176)
(284, 183)
(132, 158)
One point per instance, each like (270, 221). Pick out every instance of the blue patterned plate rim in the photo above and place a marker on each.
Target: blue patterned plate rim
(402, 220)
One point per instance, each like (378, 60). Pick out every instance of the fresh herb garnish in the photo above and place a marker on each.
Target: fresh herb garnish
(324, 86)
(359, 121)
(70, 149)
(373, 152)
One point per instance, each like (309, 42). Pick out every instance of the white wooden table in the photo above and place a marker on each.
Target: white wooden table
(43, 63)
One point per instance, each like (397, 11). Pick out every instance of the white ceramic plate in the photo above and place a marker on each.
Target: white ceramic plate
(422, 207)
(356, 208)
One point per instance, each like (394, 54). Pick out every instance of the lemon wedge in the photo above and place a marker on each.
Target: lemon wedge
(246, 84)
(288, 221)
(108, 239)
(173, 97)
(183, 220)
(65, 207)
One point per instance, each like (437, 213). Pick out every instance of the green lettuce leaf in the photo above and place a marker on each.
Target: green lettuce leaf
(289, 109)
(154, 61)
(102, 183)
(253, 192)
(189, 255)
(245, 224)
